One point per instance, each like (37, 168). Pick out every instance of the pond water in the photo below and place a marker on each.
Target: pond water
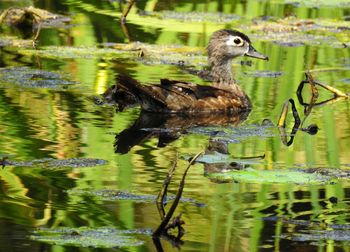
(48, 110)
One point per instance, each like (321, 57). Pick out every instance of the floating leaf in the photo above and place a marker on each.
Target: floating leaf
(69, 52)
(58, 163)
(292, 31)
(112, 195)
(250, 175)
(103, 237)
(14, 42)
(145, 53)
(319, 3)
(320, 235)
(264, 73)
(217, 158)
(313, 231)
(25, 76)
(213, 17)
(235, 134)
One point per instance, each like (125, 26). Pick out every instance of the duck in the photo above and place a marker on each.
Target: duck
(224, 95)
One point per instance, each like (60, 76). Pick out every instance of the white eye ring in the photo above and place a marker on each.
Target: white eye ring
(235, 41)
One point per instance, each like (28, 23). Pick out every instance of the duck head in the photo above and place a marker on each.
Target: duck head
(229, 44)
(224, 45)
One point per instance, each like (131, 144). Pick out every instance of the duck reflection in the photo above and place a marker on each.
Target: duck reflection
(221, 148)
(169, 127)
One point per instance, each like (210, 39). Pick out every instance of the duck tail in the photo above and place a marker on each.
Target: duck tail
(144, 94)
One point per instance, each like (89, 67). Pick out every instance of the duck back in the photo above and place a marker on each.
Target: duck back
(173, 96)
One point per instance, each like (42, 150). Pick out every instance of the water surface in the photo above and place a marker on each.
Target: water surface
(63, 122)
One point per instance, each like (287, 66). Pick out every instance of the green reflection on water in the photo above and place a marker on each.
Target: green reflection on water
(39, 123)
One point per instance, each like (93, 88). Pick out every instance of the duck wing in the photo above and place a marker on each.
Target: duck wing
(183, 97)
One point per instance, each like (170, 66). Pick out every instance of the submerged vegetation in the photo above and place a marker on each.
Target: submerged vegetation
(78, 171)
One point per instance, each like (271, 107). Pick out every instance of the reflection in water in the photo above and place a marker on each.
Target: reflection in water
(164, 228)
(311, 129)
(240, 216)
(169, 127)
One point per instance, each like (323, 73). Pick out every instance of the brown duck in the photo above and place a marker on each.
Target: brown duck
(224, 96)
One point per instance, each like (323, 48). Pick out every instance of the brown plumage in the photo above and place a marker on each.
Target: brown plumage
(224, 96)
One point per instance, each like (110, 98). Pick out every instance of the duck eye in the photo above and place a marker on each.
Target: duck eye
(237, 41)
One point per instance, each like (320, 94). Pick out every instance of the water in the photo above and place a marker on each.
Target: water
(64, 123)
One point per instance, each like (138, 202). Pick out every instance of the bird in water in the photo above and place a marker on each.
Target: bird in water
(223, 96)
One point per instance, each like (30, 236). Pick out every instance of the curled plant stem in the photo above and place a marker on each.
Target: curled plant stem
(282, 122)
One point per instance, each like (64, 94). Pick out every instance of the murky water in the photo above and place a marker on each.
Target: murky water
(59, 119)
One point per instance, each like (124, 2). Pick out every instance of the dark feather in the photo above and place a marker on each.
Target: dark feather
(182, 97)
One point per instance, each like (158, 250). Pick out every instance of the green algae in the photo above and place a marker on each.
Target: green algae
(103, 237)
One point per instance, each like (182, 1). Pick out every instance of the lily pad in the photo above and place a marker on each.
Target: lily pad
(58, 163)
(217, 158)
(103, 237)
(69, 52)
(112, 195)
(266, 74)
(320, 235)
(146, 53)
(235, 134)
(292, 31)
(34, 78)
(250, 175)
(313, 231)
(319, 3)
(214, 17)
(17, 16)
(14, 42)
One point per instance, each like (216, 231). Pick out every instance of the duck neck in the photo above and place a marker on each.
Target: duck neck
(221, 71)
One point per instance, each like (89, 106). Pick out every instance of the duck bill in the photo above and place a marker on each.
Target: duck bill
(255, 54)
